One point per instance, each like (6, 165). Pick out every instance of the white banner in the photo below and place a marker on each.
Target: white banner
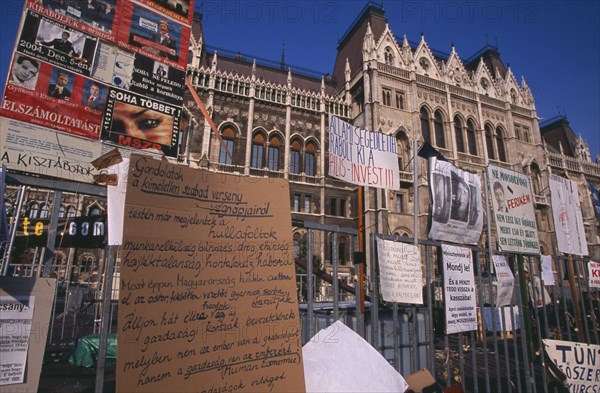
(459, 289)
(594, 274)
(547, 272)
(505, 279)
(35, 149)
(457, 215)
(400, 273)
(566, 211)
(16, 315)
(578, 361)
(513, 210)
(362, 157)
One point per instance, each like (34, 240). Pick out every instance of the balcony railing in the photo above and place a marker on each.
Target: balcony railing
(573, 165)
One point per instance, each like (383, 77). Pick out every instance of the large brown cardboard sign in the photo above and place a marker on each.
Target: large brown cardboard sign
(208, 292)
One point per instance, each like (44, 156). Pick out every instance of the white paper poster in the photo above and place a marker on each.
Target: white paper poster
(505, 280)
(578, 361)
(35, 149)
(362, 157)
(459, 289)
(513, 211)
(547, 273)
(400, 273)
(457, 214)
(116, 203)
(337, 359)
(16, 315)
(594, 274)
(566, 211)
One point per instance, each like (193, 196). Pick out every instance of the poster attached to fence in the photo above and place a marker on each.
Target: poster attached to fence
(547, 270)
(457, 214)
(15, 327)
(400, 274)
(513, 210)
(459, 289)
(594, 274)
(362, 157)
(208, 297)
(566, 211)
(578, 361)
(505, 281)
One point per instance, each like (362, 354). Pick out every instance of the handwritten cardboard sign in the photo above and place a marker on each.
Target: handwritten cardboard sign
(208, 292)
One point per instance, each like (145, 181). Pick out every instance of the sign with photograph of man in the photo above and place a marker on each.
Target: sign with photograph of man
(566, 211)
(514, 213)
(48, 40)
(55, 103)
(140, 122)
(457, 214)
(154, 35)
(96, 17)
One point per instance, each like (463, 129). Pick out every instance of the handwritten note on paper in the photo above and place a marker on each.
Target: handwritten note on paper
(400, 274)
(208, 292)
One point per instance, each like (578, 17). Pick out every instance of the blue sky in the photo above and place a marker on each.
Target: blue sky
(553, 44)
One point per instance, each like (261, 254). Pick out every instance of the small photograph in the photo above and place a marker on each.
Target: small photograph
(94, 95)
(61, 84)
(160, 70)
(442, 197)
(24, 72)
(460, 198)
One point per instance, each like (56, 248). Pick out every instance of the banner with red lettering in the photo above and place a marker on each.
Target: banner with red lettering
(514, 213)
(52, 97)
(362, 157)
(594, 274)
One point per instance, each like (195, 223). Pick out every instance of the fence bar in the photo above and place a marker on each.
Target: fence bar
(336, 286)
(310, 284)
(111, 257)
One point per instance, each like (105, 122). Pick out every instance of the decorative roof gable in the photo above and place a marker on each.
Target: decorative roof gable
(425, 63)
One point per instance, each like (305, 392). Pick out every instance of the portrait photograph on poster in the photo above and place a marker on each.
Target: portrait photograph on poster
(457, 213)
(139, 122)
(92, 16)
(154, 35)
(55, 101)
(24, 72)
(48, 40)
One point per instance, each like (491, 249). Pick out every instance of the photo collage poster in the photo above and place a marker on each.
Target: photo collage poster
(457, 213)
(73, 60)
